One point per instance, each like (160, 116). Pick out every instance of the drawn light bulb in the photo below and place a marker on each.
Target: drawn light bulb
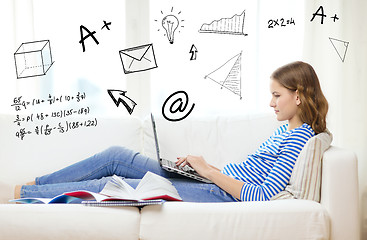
(170, 24)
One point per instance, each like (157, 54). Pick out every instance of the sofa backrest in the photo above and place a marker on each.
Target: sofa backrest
(219, 140)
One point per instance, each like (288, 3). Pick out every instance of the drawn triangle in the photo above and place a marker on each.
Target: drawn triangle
(228, 75)
(233, 80)
(340, 47)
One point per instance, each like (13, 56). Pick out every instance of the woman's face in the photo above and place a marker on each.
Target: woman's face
(285, 102)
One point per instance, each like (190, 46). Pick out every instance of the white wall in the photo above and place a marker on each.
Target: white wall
(344, 83)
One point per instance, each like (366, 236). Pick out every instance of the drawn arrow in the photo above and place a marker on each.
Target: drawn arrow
(118, 96)
(193, 52)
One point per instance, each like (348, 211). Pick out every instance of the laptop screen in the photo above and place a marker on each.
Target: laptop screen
(155, 138)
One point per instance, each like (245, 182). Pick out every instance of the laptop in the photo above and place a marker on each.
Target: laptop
(171, 166)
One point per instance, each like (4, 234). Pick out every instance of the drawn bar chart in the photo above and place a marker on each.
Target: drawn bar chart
(233, 25)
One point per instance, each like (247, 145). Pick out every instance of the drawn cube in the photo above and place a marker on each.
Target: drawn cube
(33, 59)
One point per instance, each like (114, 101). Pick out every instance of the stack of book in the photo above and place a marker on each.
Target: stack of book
(151, 190)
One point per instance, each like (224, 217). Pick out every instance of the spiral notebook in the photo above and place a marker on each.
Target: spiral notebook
(140, 203)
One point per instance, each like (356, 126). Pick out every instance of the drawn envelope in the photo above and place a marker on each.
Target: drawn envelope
(137, 59)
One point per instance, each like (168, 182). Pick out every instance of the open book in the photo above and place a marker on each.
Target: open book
(150, 187)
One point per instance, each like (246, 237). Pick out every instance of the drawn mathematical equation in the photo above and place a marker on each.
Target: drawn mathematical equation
(282, 22)
(37, 122)
(54, 114)
(19, 103)
(61, 127)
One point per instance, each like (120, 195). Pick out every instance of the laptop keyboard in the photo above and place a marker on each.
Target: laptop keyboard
(185, 168)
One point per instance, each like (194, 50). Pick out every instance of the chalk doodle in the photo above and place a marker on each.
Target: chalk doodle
(83, 38)
(119, 96)
(33, 59)
(91, 34)
(228, 75)
(193, 51)
(176, 102)
(19, 103)
(137, 59)
(272, 23)
(340, 47)
(37, 122)
(170, 23)
(61, 127)
(233, 25)
(63, 113)
(320, 13)
(106, 25)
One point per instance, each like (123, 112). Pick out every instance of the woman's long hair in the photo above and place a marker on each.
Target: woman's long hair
(302, 77)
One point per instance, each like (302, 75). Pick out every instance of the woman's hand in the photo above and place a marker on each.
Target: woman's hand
(196, 162)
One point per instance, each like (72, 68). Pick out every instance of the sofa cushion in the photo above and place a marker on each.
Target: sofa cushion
(305, 181)
(68, 221)
(287, 219)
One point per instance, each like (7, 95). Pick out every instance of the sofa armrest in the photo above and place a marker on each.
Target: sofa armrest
(339, 192)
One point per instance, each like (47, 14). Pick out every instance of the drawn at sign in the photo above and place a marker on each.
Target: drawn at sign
(19, 103)
(272, 23)
(178, 104)
(56, 114)
(62, 127)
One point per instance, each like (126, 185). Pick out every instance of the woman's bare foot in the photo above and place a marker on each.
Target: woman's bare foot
(17, 191)
(19, 187)
(31, 183)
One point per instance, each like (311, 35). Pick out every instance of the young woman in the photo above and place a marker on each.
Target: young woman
(296, 97)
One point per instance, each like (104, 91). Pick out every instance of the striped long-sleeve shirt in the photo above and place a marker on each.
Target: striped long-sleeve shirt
(267, 172)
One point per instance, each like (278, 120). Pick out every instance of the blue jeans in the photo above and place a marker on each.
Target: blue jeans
(93, 173)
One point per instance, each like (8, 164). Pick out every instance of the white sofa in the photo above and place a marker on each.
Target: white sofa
(218, 139)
